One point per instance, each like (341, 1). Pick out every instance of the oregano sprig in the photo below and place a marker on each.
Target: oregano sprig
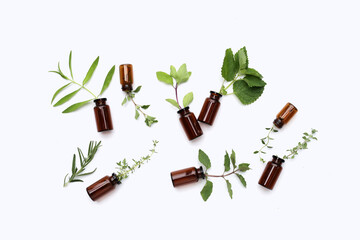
(80, 86)
(301, 145)
(149, 120)
(247, 82)
(180, 76)
(228, 171)
(84, 161)
(265, 142)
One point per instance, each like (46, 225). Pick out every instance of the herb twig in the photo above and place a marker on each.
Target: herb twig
(84, 161)
(265, 141)
(301, 145)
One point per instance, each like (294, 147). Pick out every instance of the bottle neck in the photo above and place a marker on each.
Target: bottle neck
(278, 161)
(200, 172)
(100, 101)
(114, 179)
(184, 111)
(215, 95)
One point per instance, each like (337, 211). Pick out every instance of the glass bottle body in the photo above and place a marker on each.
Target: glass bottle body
(189, 123)
(102, 186)
(187, 175)
(126, 77)
(271, 173)
(210, 108)
(102, 115)
(284, 116)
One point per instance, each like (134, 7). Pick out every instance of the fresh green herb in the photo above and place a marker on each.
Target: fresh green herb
(301, 145)
(265, 142)
(124, 169)
(149, 120)
(79, 86)
(205, 160)
(180, 76)
(84, 161)
(247, 82)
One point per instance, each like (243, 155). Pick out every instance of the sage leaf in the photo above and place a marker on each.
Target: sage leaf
(137, 89)
(253, 81)
(66, 98)
(204, 159)
(207, 190)
(227, 162)
(242, 179)
(251, 71)
(173, 102)
(228, 184)
(243, 58)
(107, 80)
(58, 91)
(246, 94)
(228, 67)
(243, 167)
(137, 114)
(76, 106)
(237, 63)
(188, 99)
(164, 77)
(71, 73)
(91, 71)
(233, 158)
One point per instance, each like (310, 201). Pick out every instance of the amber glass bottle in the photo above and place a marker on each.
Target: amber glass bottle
(187, 175)
(189, 123)
(271, 173)
(102, 115)
(210, 108)
(126, 77)
(102, 186)
(285, 115)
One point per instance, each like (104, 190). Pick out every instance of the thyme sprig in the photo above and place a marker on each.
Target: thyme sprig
(124, 169)
(301, 145)
(265, 141)
(84, 161)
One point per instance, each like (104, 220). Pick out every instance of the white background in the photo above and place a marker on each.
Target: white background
(308, 53)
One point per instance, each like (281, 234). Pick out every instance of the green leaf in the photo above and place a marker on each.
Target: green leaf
(242, 179)
(228, 184)
(188, 99)
(107, 80)
(124, 101)
(251, 71)
(164, 77)
(61, 74)
(137, 89)
(73, 167)
(227, 162)
(66, 98)
(237, 63)
(207, 190)
(243, 167)
(243, 58)
(145, 106)
(254, 81)
(91, 71)
(76, 180)
(70, 55)
(256, 152)
(58, 91)
(137, 114)
(84, 174)
(204, 159)
(233, 158)
(229, 66)
(172, 71)
(182, 75)
(173, 102)
(246, 94)
(76, 106)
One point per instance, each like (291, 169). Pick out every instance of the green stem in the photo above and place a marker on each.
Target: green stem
(267, 142)
(83, 87)
(136, 106)
(223, 175)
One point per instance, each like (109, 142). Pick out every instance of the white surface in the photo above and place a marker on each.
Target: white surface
(308, 53)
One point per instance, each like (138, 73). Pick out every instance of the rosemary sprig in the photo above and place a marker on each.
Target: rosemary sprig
(124, 169)
(84, 161)
(265, 141)
(301, 145)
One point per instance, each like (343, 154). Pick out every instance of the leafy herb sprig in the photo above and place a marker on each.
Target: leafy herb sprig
(301, 145)
(242, 167)
(84, 161)
(265, 142)
(180, 76)
(149, 120)
(124, 169)
(80, 86)
(247, 82)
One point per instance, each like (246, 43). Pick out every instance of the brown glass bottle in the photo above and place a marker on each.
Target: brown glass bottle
(187, 175)
(102, 186)
(271, 173)
(126, 77)
(102, 115)
(285, 115)
(210, 108)
(189, 123)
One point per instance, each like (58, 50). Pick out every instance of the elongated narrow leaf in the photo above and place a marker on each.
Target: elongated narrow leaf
(188, 99)
(76, 180)
(228, 184)
(207, 190)
(65, 180)
(66, 98)
(233, 158)
(61, 74)
(137, 89)
(91, 71)
(242, 179)
(227, 162)
(58, 91)
(173, 102)
(204, 159)
(76, 106)
(107, 80)
(80, 157)
(164, 77)
(73, 167)
(88, 173)
(228, 67)
(70, 67)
